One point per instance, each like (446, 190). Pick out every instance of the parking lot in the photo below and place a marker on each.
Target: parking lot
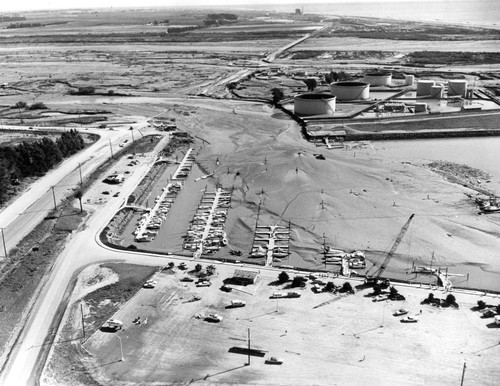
(320, 337)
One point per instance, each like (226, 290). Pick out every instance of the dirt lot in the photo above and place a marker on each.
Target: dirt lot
(337, 343)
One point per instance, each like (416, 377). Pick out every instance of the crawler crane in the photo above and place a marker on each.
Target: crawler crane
(371, 280)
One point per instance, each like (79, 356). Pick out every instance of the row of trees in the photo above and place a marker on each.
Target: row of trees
(35, 158)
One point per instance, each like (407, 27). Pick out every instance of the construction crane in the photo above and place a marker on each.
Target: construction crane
(373, 279)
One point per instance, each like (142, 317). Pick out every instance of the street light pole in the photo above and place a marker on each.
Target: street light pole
(3, 241)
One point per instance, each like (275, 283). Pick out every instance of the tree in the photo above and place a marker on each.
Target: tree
(20, 105)
(450, 299)
(329, 287)
(78, 196)
(283, 277)
(347, 287)
(211, 269)
(377, 290)
(481, 305)
(298, 281)
(310, 83)
(171, 265)
(277, 94)
(4, 181)
(393, 291)
(198, 267)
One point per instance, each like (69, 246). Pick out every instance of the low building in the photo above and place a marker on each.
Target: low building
(244, 277)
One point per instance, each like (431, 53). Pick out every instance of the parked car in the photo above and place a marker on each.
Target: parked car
(274, 361)
(409, 319)
(187, 278)
(400, 312)
(113, 323)
(204, 283)
(213, 318)
(149, 284)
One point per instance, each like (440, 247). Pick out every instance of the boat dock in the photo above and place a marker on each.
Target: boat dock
(185, 166)
(149, 224)
(271, 242)
(206, 233)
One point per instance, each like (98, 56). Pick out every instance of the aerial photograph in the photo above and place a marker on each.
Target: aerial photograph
(236, 192)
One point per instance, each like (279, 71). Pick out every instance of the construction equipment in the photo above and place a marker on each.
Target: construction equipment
(373, 279)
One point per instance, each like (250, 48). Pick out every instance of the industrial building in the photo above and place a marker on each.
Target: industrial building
(314, 104)
(350, 91)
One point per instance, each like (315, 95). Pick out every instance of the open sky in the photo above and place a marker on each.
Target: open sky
(23, 5)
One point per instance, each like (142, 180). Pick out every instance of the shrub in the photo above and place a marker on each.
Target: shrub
(37, 106)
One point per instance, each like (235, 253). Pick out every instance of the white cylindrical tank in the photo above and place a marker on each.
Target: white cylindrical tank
(424, 87)
(350, 91)
(409, 80)
(314, 104)
(437, 91)
(457, 87)
(378, 78)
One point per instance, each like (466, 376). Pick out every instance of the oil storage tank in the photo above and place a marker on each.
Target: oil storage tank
(378, 78)
(350, 91)
(424, 87)
(314, 104)
(457, 87)
(409, 80)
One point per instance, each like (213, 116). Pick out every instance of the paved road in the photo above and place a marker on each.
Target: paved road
(82, 249)
(21, 217)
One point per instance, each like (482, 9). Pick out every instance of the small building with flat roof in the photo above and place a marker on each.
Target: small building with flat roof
(244, 277)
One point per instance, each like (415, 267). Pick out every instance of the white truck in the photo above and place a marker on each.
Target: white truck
(237, 303)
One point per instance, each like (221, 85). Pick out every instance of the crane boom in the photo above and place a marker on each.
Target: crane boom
(394, 247)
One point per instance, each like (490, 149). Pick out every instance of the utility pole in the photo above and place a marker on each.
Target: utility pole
(248, 364)
(463, 374)
(3, 241)
(121, 347)
(111, 147)
(80, 169)
(54, 197)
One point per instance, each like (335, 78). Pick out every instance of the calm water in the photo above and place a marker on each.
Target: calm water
(475, 12)
(481, 153)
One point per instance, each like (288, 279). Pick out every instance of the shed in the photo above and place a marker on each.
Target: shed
(244, 277)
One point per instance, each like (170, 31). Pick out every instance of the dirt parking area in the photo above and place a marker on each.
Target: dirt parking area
(339, 342)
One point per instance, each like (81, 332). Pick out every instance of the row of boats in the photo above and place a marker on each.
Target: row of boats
(271, 242)
(206, 233)
(185, 166)
(354, 260)
(149, 223)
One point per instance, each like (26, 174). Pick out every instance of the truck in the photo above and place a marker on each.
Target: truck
(236, 303)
